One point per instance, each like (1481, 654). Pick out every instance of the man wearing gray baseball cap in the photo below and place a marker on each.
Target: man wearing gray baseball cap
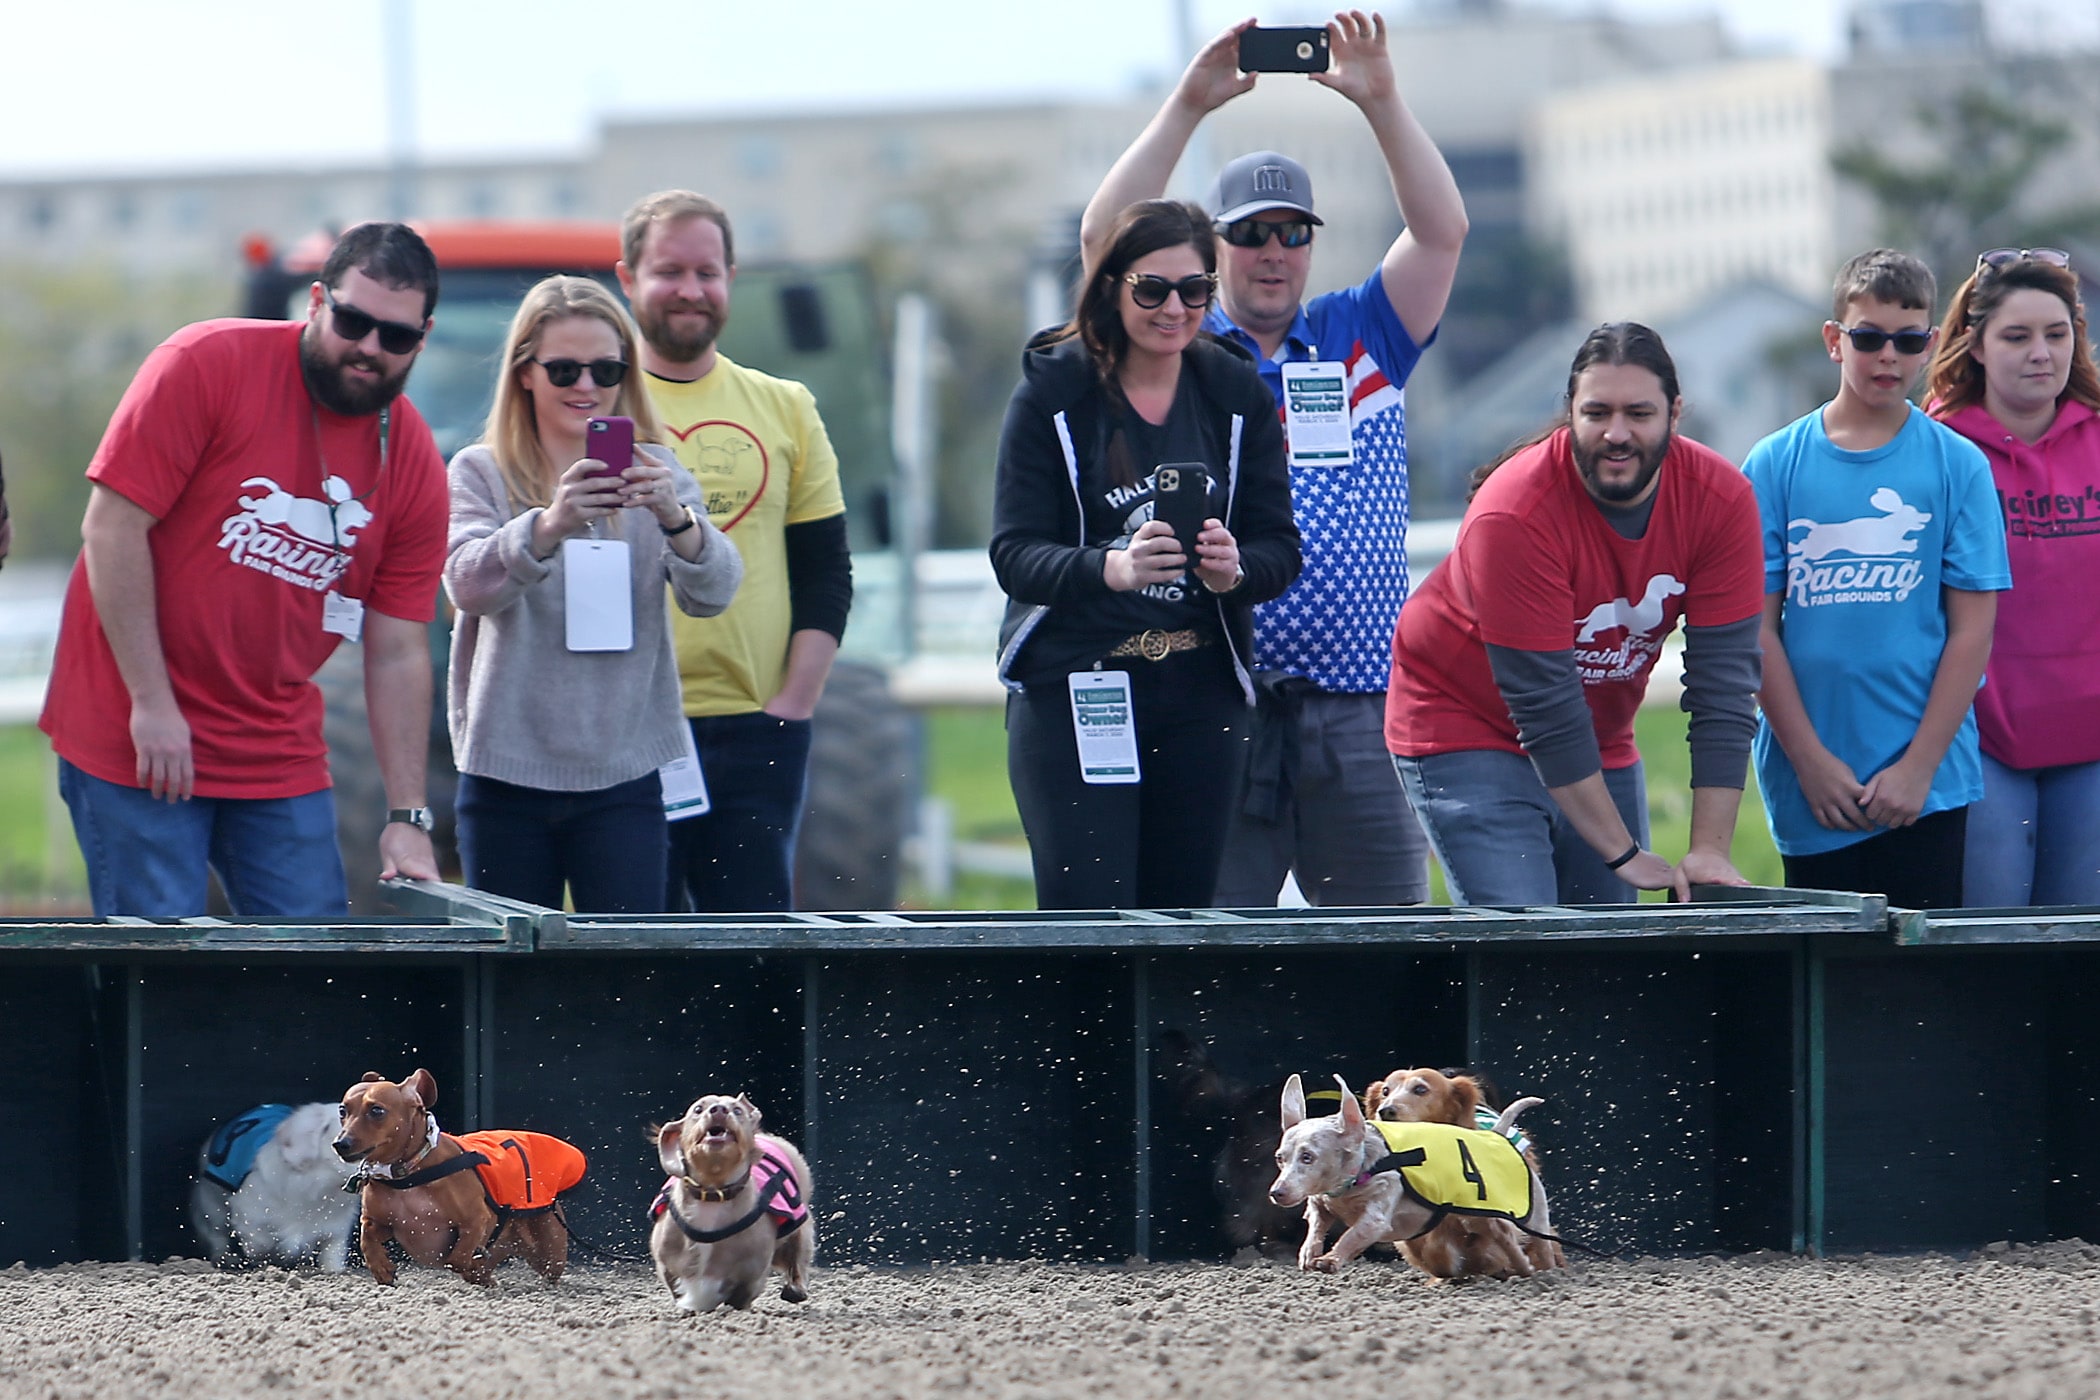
(1320, 799)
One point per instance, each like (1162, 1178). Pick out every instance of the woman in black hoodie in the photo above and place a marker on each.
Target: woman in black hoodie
(1096, 584)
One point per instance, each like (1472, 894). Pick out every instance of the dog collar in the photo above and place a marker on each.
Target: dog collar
(718, 1193)
(430, 1142)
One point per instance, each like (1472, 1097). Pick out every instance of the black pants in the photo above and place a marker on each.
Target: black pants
(1152, 844)
(1916, 866)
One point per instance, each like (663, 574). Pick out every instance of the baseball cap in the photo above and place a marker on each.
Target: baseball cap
(1260, 180)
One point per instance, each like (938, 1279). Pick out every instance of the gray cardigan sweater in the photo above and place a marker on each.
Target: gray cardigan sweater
(525, 709)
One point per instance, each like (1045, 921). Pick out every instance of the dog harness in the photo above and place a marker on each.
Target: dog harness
(519, 1171)
(1455, 1170)
(230, 1155)
(778, 1194)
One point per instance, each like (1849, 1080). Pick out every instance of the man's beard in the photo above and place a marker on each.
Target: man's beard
(679, 347)
(1587, 462)
(329, 387)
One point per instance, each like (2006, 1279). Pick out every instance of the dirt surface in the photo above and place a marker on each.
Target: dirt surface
(2014, 1321)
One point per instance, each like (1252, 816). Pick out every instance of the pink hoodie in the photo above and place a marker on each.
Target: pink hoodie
(2040, 702)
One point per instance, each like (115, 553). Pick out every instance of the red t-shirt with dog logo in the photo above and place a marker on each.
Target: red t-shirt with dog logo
(264, 503)
(1537, 567)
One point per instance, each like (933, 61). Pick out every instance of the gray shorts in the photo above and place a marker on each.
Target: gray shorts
(1501, 837)
(1346, 829)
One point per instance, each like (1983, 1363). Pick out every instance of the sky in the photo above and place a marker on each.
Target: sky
(97, 86)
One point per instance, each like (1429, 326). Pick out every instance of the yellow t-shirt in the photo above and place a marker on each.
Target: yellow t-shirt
(763, 461)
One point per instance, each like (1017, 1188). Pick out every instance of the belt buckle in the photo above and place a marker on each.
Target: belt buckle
(1154, 644)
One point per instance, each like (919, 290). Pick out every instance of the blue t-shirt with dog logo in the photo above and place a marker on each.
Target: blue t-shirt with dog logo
(1860, 545)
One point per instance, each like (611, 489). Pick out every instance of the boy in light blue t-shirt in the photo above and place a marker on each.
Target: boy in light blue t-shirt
(1884, 556)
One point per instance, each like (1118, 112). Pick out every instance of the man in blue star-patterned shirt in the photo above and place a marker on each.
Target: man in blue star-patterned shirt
(1321, 799)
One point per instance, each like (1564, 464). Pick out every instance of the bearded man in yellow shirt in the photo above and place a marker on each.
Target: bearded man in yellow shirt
(752, 675)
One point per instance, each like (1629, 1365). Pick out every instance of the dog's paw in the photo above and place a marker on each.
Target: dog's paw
(791, 1294)
(1328, 1263)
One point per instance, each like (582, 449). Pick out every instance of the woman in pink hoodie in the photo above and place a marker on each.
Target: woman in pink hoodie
(2014, 374)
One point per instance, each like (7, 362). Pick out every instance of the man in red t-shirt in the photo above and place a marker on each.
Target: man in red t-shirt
(1519, 663)
(261, 493)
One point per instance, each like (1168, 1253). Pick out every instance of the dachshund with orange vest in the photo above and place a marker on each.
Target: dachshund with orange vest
(466, 1203)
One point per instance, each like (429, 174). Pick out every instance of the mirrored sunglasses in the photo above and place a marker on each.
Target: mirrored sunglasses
(2000, 257)
(1869, 341)
(1253, 233)
(1149, 290)
(604, 373)
(395, 337)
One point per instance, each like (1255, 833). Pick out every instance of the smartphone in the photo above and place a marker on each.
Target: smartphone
(611, 441)
(1181, 497)
(1298, 50)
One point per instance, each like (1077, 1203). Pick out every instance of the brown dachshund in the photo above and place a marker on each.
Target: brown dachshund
(464, 1203)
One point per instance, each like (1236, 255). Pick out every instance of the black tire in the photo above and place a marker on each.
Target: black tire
(863, 776)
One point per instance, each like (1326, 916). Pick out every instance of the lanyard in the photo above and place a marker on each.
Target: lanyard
(386, 419)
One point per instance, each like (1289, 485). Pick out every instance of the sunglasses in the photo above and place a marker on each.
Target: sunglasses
(604, 373)
(1869, 341)
(2000, 257)
(353, 325)
(1149, 290)
(1253, 233)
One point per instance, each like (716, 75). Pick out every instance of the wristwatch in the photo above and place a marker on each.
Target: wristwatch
(414, 816)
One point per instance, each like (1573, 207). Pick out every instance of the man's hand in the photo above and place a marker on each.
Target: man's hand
(1833, 792)
(1894, 796)
(1213, 77)
(161, 737)
(1153, 556)
(1702, 867)
(405, 853)
(1358, 66)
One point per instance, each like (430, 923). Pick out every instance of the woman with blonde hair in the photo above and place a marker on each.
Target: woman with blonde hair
(2014, 374)
(558, 728)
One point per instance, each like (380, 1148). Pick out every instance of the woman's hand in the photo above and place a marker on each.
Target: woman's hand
(1834, 794)
(652, 487)
(581, 495)
(1218, 558)
(1152, 556)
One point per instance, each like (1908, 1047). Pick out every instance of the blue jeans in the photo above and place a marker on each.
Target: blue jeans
(275, 856)
(2034, 838)
(739, 856)
(607, 846)
(1501, 837)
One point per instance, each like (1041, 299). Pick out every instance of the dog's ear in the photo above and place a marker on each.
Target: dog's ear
(1352, 1112)
(751, 1108)
(422, 1088)
(1466, 1092)
(1374, 1096)
(373, 1076)
(1293, 1103)
(668, 1152)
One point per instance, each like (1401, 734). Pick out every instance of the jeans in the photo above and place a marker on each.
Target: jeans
(2034, 838)
(607, 846)
(1152, 844)
(1917, 866)
(276, 857)
(1501, 837)
(1344, 824)
(739, 856)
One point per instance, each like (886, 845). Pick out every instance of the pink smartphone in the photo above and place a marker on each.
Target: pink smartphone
(611, 441)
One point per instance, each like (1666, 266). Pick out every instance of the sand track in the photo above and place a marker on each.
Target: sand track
(2014, 1322)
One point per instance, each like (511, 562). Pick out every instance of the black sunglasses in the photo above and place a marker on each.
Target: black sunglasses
(1869, 341)
(1253, 233)
(351, 324)
(2000, 257)
(604, 373)
(1149, 290)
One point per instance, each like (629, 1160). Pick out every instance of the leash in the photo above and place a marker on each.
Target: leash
(595, 1249)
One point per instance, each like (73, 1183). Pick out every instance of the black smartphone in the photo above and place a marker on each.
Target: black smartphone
(1299, 50)
(1181, 497)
